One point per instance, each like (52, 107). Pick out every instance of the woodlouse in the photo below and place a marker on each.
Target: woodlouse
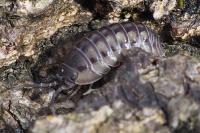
(95, 54)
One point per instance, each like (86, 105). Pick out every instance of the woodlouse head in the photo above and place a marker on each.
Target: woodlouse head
(67, 74)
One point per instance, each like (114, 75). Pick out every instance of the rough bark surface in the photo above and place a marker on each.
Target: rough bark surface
(143, 95)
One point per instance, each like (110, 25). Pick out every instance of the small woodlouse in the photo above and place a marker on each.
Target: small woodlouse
(94, 54)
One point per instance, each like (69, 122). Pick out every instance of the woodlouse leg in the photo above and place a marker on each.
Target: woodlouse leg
(55, 95)
(90, 89)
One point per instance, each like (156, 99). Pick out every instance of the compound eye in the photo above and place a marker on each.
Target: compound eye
(74, 76)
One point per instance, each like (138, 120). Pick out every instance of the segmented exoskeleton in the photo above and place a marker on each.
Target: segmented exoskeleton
(96, 53)
(93, 56)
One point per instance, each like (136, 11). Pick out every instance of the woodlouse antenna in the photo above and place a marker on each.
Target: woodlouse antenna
(31, 85)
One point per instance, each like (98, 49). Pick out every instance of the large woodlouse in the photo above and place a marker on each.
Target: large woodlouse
(95, 54)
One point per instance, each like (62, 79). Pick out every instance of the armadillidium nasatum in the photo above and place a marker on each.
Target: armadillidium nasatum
(96, 53)
(93, 55)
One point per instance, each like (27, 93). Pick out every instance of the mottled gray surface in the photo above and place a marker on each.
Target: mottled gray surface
(143, 94)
